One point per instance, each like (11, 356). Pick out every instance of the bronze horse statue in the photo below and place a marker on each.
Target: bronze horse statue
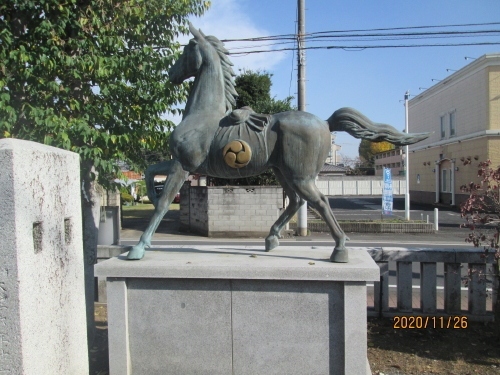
(213, 140)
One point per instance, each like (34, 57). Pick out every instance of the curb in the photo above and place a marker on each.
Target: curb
(355, 227)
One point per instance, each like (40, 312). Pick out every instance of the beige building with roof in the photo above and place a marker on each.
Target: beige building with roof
(393, 159)
(463, 114)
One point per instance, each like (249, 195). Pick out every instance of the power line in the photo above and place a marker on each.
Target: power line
(368, 36)
(292, 36)
(325, 35)
(370, 47)
(352, 39)
(417, 34)
(411, 27)
(341, 37)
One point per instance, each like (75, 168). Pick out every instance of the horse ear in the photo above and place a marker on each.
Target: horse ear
(201, 32)
(195, 32)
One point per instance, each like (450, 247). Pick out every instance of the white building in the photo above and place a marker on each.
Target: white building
(334, 158)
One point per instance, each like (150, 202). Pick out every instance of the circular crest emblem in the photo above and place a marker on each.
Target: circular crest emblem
(237, 154)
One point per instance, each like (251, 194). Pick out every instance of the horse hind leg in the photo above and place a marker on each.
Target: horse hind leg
(307, 190)
(175, 178)
(272, 240)
(149, 176)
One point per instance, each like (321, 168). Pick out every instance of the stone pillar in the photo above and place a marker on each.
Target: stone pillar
(42, 294)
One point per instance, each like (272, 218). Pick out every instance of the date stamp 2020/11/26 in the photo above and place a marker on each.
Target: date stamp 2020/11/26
(434, 322)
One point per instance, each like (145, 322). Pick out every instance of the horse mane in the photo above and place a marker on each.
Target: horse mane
(227, 70)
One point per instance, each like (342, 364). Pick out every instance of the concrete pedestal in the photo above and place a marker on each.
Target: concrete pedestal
(238, 310)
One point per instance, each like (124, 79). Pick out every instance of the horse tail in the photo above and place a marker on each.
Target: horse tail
(359, 126)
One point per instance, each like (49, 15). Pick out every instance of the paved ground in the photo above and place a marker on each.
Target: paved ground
(344, 208)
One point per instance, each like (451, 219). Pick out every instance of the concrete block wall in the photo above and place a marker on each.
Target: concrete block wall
(184, 207)
(237, 211)
(198, 209)
(113, 198)
(243, 210)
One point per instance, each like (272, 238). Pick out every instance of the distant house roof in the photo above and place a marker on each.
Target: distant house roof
(332, 169)
(130, 175)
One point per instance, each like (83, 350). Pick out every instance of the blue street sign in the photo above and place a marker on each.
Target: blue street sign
(387, 192)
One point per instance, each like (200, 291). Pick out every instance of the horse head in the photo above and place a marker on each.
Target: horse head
(191, 59)
(206, 59)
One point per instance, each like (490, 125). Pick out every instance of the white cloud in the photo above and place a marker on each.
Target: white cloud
(226, 19)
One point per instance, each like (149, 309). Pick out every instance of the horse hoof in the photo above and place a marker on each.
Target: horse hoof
(272, 242)
(339, 256)
(136, 253)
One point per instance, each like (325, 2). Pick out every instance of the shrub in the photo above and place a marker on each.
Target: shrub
(126, 197)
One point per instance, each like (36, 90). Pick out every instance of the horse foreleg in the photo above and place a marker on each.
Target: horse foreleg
(307, 190)
(272, 240)
(175, 178)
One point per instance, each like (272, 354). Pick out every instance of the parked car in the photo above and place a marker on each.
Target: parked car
(177, 198)
(159, 189)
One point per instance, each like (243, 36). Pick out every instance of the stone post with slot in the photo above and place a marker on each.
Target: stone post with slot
(42, 295)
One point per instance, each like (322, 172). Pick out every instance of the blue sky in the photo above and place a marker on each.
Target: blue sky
(372, 80)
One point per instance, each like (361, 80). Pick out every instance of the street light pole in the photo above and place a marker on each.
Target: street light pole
(407, 163)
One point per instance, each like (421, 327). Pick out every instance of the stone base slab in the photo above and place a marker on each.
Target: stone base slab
(238, 310)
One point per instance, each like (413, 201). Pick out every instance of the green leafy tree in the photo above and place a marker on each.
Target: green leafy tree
(90, 76)
(254, 90)
(481, 212)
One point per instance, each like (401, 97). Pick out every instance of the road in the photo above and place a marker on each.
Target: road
(450, 234)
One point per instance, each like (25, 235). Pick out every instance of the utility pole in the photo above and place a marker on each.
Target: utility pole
(301, 81)
(407, 162)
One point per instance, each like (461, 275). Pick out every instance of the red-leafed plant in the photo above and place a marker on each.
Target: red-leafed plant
(481, 212)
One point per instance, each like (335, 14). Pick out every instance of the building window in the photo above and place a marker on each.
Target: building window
(443, 127)
(444, 180)
(452, 124)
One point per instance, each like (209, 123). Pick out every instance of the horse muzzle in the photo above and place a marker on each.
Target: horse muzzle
(174, 78)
